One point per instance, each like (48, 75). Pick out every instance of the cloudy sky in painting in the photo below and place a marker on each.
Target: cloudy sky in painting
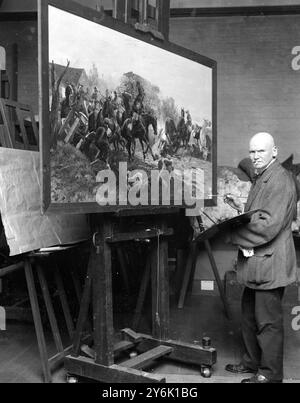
(84, 43)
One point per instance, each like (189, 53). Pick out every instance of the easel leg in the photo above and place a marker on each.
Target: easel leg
(123, 268)
(64, 301)
(37, 321)
(142, 295)
(217, 277)
(102, 298)
(84, 308)
(160, 290)
(191, 262)
(181, 258)
(50, 309)
(76, 283)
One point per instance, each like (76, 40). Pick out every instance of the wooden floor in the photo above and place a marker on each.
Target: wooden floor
(201, 316)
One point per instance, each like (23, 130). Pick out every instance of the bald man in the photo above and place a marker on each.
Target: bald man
(266, 262)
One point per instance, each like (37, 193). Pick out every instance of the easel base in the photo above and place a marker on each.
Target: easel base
(149, 349)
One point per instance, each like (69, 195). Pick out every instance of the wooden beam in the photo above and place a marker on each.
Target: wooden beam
(144, 12)
(43, 72)
(50, 308)
(189, 269)
(127, 16)
(131, 236)
(8, 127)
(123, 345)
(86, 367)
(142, 295)
(131, 335)
(124, 269)
(37, 321)
(64, 301)
(160, 289)
(121, 10)
(141, 211)
(10, 269)
(217, 277)
(102, 297)
(182, 352)
(18, 16)
(143, 360)
(164, 17)
(234, 11)
(14, 73)
(140, 11)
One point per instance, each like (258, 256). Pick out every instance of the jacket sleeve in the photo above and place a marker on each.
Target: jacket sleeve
(266, 224)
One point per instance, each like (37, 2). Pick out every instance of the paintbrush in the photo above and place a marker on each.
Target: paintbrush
(213, 221)
(236, 197)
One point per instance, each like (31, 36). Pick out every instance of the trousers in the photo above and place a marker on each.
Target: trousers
(263, 331)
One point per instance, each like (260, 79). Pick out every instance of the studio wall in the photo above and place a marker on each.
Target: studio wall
(258, 90)
(21, 37)
(258, 77)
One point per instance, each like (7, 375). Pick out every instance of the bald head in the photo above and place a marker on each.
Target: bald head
(265, 139)
(262, 150)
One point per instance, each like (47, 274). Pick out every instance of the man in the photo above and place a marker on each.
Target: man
(66, 102)
(138, 104)
(94, 96)
(266, 262)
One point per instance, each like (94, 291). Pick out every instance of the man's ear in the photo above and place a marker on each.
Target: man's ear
(275, 152)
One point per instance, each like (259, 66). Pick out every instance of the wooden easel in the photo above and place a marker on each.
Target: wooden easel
(191, 264)
(33, 264)
(105, 367)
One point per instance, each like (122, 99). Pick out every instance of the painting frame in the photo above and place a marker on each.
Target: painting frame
(104, 20)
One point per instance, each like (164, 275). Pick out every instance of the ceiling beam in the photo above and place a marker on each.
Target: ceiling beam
(234, 11)
(23, 16)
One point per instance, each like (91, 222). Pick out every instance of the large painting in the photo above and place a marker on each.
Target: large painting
(128, 121)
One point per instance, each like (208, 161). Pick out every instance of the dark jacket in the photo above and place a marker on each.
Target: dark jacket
(269, 232)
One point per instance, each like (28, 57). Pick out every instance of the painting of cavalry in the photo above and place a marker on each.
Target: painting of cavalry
(114, 98)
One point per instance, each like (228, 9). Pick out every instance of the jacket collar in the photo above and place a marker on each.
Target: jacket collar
(264, 177)
(267, 173)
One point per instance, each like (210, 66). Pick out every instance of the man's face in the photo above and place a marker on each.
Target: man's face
(261, 153)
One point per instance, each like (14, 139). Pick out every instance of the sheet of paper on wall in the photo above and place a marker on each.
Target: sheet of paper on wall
(25, 227)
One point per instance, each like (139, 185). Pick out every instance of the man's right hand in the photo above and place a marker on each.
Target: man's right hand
(234, 202)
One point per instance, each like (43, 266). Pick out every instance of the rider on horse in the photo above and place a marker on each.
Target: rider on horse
(189, 121)
(138, 106)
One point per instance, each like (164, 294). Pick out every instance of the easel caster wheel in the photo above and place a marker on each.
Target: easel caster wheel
(72, 379)
(133, 354)
(206, 372)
